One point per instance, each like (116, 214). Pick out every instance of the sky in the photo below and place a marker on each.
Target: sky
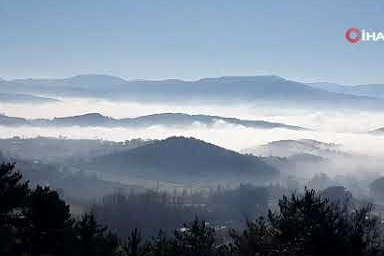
(300, 40)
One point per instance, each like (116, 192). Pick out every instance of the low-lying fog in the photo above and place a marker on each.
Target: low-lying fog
(344, 127)
(354, 164)
(234, 137)
(325, 120)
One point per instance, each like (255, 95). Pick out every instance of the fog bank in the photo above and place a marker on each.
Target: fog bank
(234, 137)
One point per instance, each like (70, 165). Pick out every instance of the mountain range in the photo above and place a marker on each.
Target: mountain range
(256, 89)
(368, 90)
(24, 98)
(167, 119)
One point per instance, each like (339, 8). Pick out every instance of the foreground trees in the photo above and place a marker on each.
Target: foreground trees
(155, 210)
(38, 222)
(12, 196)
(311, 225)
(93, 238)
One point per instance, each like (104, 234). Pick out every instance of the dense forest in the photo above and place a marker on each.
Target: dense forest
(37, 221)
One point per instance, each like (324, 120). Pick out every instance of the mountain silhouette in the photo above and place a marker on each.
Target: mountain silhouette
(257, 89)
(24, 98)
(368, 90)
(167, 119)
(180, 158)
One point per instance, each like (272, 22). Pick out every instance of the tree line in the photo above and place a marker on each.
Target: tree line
(154, 209)
(38, 222)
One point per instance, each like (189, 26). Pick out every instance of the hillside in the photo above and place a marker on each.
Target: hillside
(62, 150)
(167, 119)
(74, 185)
(288, 148)
(186, 159)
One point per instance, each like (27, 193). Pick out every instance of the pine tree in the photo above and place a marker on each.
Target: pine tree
(135, 245)
(195, 238)
(49, 222)
(93, 239)
(12, 195)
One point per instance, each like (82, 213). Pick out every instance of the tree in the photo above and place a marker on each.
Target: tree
(49, 222)
(12, 195)
(258, 237)
(244, 202)
(93, 239)
(162, 245)
(311, 225)
(135, 245)
(39, 222)
(195, 238)
(12, 192)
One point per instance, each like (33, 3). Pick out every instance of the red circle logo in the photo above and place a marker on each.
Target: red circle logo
(353, 35)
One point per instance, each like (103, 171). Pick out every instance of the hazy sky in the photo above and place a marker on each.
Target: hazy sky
(302, 40)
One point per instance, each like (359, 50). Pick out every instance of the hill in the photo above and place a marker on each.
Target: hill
(185, 160)
(167, 119)
(74, 185)
(62, 150)
(288, 148)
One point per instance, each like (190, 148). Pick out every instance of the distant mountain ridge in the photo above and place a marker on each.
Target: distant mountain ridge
(230, 88)
(168, 119)
(368, 90)
(24, 98)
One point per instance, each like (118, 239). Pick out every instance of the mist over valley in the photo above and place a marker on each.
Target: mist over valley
(88, 132)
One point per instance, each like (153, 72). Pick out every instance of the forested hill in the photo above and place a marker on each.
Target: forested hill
(180, 157)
